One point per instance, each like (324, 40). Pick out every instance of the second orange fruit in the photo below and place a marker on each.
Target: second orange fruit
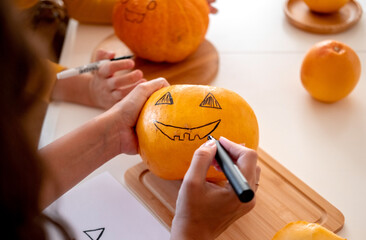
(330, 71)
(325, 6)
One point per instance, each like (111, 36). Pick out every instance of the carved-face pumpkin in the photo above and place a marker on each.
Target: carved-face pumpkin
(177, 119)
(161, 30)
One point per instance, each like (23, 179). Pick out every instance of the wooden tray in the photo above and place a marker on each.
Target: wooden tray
(199, 68)
(299, 15)
(281, 198)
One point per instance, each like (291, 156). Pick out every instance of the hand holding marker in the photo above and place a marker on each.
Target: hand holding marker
(232, 173)
(87, 68)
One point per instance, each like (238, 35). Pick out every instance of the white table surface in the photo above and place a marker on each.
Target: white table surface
(260, 58)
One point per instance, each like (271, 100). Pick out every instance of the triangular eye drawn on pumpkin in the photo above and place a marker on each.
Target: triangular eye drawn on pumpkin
(165, 99)
(210, 102)
(152, 5)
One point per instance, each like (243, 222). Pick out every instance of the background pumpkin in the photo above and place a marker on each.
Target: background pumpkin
(172, 118)
(161, 30)
(91, 11)
(23, 4)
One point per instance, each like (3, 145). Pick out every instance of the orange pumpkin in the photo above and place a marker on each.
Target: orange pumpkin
(23, 4)
(177, 119)
(91, 11)
(161, 30)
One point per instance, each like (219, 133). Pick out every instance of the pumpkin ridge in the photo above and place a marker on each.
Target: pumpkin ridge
(203, 9)
(186, 17)
(167, 18)
(199, 20)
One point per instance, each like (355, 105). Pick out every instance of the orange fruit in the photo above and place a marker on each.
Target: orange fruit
(302, 230)
(330, 71)
(325, 6)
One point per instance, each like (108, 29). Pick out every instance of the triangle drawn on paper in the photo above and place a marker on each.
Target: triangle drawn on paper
(210, 102)
(94, 234)
(165, 99)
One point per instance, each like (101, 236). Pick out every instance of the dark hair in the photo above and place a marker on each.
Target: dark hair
(21, 85)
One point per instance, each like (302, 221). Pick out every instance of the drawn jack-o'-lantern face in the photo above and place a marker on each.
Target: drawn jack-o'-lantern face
(177, 119)
(136, 13)
(191, 133)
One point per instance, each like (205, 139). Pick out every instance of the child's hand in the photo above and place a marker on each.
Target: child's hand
(102, 88)
(112, 82)
(126, 112)
(204, 209)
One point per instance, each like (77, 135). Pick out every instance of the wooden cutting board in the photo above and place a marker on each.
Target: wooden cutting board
(281, 198)
(199, 68)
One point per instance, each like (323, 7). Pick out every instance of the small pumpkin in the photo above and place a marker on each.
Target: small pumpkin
(24, 4)
(302, 230)
(161, 30)
(177, 119)
(91, 11)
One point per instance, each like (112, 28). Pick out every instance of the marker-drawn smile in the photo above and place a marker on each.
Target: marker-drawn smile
(135, 17)
(182, 133)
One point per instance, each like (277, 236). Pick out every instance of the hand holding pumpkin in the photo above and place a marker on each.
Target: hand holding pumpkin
(125, 113)
(205, 209)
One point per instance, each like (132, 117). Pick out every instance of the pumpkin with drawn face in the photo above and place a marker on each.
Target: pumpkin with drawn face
(161, 30)
(177, 119)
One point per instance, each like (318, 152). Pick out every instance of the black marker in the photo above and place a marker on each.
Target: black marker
(232, 173)
(87, 68)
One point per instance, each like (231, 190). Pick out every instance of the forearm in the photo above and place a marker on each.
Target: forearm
(73, 89)
(72, 157)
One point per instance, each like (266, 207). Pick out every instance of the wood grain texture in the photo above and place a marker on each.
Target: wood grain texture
(281, 198)
(299, 15)
(199, 68)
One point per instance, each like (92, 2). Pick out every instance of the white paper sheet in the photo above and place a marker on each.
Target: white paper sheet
(102, 209)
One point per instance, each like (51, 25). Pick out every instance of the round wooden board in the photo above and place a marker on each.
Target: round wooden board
(299, 15)
(199, 68)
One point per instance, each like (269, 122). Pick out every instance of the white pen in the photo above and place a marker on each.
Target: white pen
(87, 68)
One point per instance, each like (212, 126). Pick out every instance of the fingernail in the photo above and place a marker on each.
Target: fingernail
(224, 139)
